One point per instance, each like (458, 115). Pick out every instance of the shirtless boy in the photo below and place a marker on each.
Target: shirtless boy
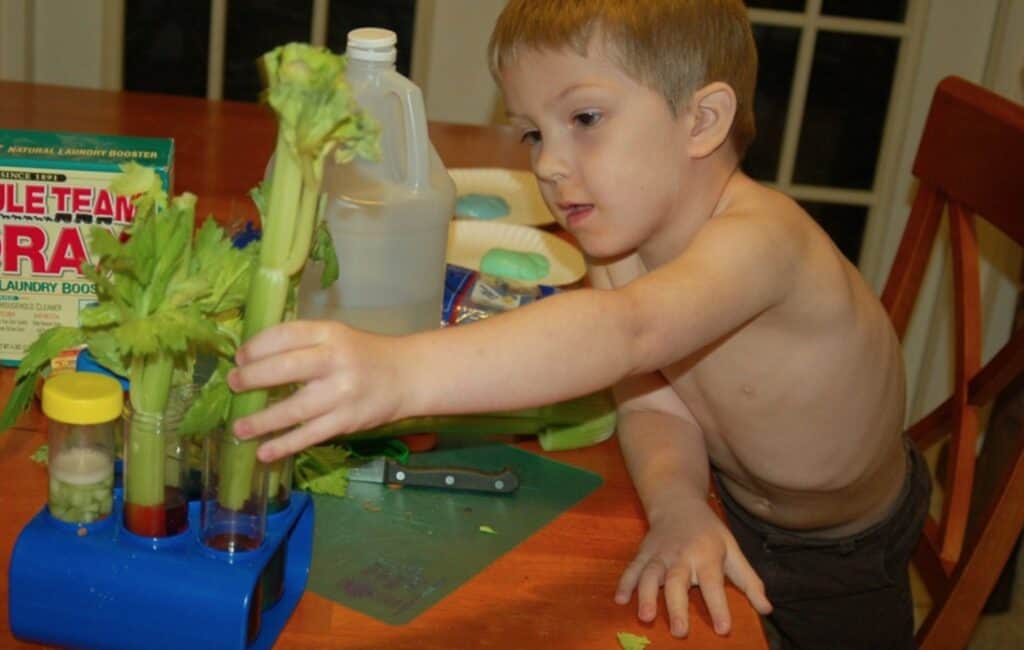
(743, 347)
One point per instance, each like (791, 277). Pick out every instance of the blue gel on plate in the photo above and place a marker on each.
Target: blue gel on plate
(481, 206)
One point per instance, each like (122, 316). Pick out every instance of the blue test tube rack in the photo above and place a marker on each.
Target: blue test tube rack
(100, 586)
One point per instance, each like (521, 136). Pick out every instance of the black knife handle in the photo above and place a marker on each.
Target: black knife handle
(452, 478)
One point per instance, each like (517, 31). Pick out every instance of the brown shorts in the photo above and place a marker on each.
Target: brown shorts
(839, 594)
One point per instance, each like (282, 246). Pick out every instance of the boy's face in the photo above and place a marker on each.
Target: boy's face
(609, 156)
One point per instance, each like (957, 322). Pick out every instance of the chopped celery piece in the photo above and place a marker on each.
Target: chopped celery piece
(81, 503)
(630, 641)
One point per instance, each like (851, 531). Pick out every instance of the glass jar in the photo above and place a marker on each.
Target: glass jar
(226, 525)
(156, 469)
(83, 410)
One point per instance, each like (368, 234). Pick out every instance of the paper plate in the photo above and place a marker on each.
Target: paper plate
(518, 188)
(469, 241)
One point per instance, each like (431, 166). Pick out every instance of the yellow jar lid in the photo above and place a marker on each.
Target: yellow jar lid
(82, 398)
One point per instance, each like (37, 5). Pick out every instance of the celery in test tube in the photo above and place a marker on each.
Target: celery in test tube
(317, 118)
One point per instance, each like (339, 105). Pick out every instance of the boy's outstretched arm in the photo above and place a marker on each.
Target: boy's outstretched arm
(687, 544)
(560, 347)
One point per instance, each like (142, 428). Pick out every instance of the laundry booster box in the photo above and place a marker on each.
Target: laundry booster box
(54, 188)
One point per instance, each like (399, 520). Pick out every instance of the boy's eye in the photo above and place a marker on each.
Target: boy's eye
(530, 137)
(587, 119)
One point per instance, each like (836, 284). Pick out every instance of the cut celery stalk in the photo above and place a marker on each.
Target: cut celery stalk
(586, 434)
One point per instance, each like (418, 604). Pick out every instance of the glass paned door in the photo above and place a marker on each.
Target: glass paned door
(825, 90)
(895, 10)
(777, 48)
(781, 5)
(396, 15)
(252, 28)
(167, 45)
(848, 99)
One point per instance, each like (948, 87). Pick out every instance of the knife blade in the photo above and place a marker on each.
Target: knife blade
(388, 471)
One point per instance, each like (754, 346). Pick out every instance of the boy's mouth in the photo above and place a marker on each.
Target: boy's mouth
(575, 213)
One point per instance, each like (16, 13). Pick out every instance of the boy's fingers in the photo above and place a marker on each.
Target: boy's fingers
(303, 405)
(747, 581)
(651, 579)
(310, 433)
(293, 366)
(712, 587)
(287, 336)
(677, 602)
(628, 581)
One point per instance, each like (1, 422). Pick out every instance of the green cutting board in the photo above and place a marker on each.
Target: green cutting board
(392, 553)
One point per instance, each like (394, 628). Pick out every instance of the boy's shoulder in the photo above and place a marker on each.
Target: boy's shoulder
(751, 216)
(754, 203)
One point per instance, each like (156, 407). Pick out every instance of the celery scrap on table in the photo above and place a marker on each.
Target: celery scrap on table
(322, 469)
(40, 455)
(488, 530)
(630, 641)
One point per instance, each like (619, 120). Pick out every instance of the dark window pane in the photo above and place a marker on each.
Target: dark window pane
(847, 101)
(888, 10)
(397, 15)
(776, 51)
(254, 28)
(782, 5)
(843, 223)
(166, 44)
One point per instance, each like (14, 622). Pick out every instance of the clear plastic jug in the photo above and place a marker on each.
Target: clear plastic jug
(388, 218)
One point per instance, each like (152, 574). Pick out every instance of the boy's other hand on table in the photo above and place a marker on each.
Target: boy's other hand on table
(693, 548)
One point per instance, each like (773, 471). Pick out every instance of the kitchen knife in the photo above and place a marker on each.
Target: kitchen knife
(385, 470)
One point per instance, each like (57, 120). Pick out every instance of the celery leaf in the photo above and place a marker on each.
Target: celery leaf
(49, 344)
(323, 252)
(210, 408)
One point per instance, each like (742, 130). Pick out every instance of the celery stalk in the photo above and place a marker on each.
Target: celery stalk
(317, 117)
(150, 388)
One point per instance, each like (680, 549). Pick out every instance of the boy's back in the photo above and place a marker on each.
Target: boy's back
(802, 408)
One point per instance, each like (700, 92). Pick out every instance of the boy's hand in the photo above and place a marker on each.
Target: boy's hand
(350, 382)
(692, 548)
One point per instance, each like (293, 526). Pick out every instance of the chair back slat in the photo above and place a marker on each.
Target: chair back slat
(932, 427)
(959, 479)
(912, 257)
(1003, 368)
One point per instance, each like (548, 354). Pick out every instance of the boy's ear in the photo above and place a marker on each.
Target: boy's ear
(712, 111)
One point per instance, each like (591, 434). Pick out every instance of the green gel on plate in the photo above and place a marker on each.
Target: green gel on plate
(515, 265)
(481, 206)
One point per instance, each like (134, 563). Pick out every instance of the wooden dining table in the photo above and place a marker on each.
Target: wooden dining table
(554, 590)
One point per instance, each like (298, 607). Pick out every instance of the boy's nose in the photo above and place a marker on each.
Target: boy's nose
(550, 167)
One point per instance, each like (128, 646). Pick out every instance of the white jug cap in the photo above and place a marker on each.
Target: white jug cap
(372, 44)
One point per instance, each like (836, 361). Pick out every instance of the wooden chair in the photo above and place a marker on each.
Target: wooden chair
(970, 164)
